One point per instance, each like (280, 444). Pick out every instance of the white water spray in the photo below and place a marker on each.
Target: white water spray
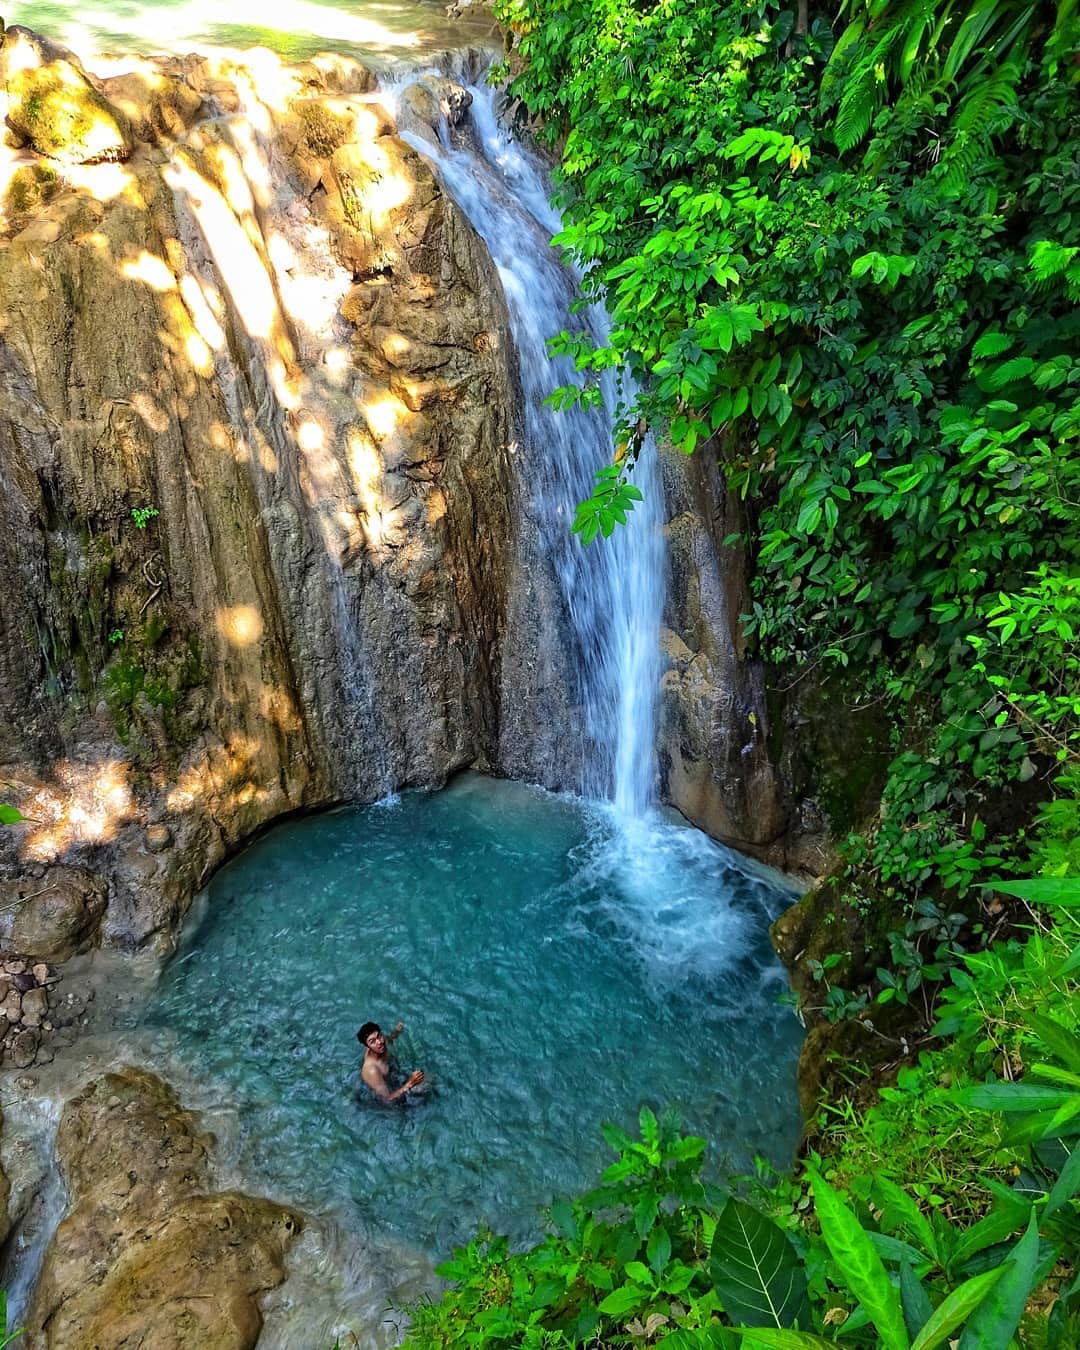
(613, 590)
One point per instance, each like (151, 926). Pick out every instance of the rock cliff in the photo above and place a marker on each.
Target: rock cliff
(257, 498)
(254, 398)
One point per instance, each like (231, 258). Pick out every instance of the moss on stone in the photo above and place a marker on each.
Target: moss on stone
(324, 130)
(64, 117)
(834, 745)
(154, 630)
(30, 187)
(121, 683)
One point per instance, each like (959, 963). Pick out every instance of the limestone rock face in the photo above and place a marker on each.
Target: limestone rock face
(714, 760)
(255, 395)
(145, 1256)
(5, 1196)
(53, 105)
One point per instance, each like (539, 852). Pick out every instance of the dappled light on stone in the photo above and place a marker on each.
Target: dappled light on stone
(151, 270)
(227, 769)
(82, 804)
(367, 475)
(242, 625)
(238, 261)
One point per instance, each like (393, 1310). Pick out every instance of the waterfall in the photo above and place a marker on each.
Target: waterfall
(612, 591)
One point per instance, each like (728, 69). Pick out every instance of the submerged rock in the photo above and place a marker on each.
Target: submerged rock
(145, 1255)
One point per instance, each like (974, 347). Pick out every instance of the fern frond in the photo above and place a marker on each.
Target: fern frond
(978, 110)
(866, 75)
(1049, 259)
(980, 115)
(1018, 368)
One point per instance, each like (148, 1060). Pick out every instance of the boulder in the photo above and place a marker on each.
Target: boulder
(427, 102)
(145, 1256)
(158, 105)
(54, 917)
(52, 104)
(29, 188)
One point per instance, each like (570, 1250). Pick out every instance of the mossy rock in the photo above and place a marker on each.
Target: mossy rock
(64, 117)
(834, 744)
(825, 923)
(325, 129)
(29, 188)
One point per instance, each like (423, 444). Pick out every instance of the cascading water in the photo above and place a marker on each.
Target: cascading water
(553, 970)
(613, 591)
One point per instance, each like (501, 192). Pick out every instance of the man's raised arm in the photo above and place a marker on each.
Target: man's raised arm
(385, 1095)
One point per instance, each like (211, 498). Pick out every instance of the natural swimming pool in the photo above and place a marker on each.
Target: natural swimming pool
(553, 970)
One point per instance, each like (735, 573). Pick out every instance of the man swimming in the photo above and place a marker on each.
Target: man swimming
(375, 1071)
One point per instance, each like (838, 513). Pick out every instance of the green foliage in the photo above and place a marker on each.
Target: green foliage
(142, 515)
(10, 815)
(7, 1337)
(116, 635)
(849, 260)
(612, 497)
(755, 1269)
(651, 1255)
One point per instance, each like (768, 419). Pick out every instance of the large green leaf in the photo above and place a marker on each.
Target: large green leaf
(860, 1266)
(900, 1210)
(1056, 1124)
(10, 815)
(780, 1338)
(1071, 963)
(1008, 1213)
(1042, 890)
(622, 1300)
(1067, 1184)
(955, 1309)
(1014, 1097)
(916, 1302)
(895, 1250)
(1063, 1042)
(755, 1269)
(995, 1322)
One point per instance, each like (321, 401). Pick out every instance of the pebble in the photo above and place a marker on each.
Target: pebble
(158, 838)
(24, 1011)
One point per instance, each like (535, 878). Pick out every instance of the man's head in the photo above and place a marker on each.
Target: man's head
(370, 1035)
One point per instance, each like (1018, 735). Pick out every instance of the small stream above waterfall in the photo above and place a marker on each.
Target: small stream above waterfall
(295, 29)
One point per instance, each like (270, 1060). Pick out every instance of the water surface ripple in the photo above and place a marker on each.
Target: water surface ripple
(551, 970)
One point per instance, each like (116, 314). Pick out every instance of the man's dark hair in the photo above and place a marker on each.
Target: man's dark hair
(366, 1030)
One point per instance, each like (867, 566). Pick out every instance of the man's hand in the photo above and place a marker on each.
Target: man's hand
(396, 1032)
(414, 1079)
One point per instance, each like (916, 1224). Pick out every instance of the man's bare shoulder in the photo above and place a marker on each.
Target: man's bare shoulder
(374, 1071)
